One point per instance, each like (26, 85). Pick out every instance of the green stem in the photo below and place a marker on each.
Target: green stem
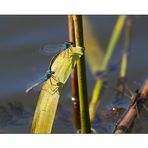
(124, 63)
(128, 31)
(84, 112)
(113, 41)
(95, 99)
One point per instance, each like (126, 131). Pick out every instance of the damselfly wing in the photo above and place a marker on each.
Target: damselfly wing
(55, 48)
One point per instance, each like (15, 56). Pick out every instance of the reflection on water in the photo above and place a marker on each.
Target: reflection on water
(20, 61)
(113, 113)
(13, 114)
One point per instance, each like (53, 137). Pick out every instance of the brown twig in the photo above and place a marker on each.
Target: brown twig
(74, 80)
(126, 123)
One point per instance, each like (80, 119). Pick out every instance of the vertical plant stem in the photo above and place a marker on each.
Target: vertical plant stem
(84, 112)
(124, 63)
(93, 104)
(71, 29)
(128, 31)
(74, 80)
(113, 41)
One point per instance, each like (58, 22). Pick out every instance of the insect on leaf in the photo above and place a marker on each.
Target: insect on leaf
(50, 93)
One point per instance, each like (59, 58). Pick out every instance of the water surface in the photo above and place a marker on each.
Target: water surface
(21, 62)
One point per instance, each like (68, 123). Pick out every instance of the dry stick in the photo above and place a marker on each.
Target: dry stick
(129, 118)
(132, 113)
(74, 80)
(82, 85)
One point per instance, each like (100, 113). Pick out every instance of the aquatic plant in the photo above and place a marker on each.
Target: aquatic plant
(118, 104)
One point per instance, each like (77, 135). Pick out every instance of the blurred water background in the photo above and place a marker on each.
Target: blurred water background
(21, 37)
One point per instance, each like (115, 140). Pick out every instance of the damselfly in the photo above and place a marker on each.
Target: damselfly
(49, 73)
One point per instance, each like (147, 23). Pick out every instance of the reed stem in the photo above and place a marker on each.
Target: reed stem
(124, 63)
(84, 112)
(74, 80)
(113, 41)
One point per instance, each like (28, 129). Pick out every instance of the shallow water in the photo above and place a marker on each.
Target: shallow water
(21, 62)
